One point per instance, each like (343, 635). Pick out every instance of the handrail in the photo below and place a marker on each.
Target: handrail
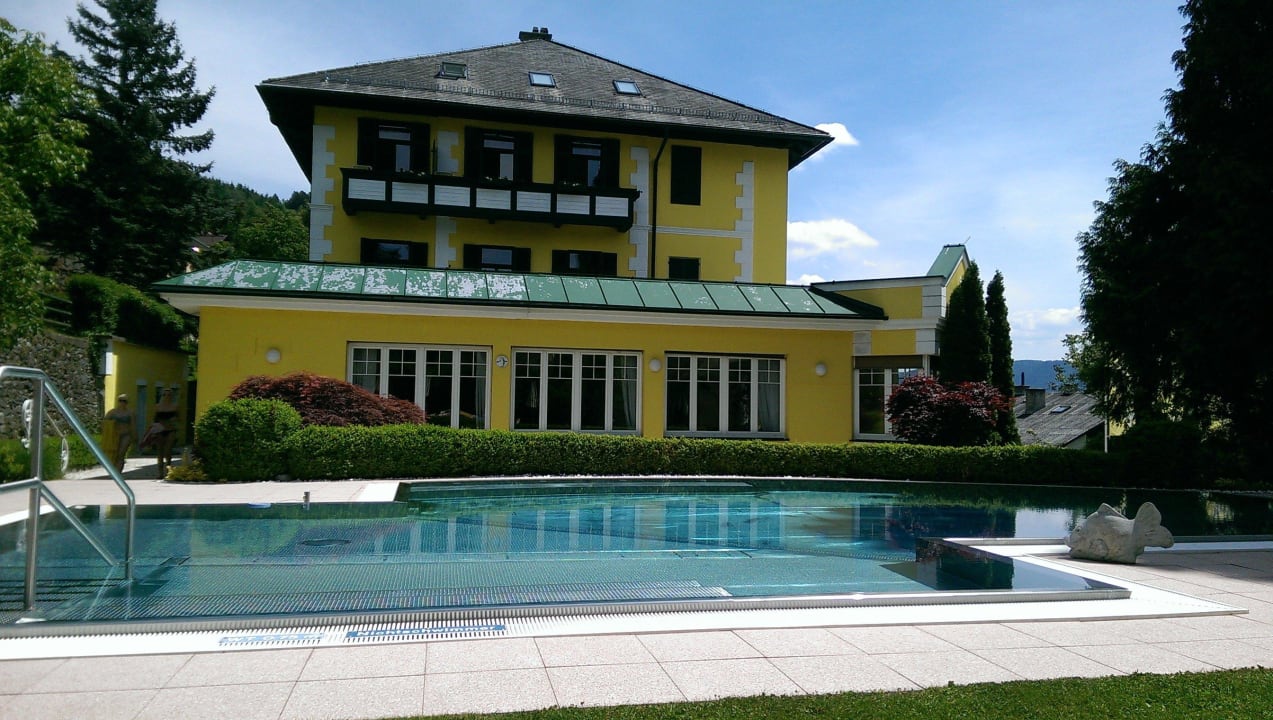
(37, 488)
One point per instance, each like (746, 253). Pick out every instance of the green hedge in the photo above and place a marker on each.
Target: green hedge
(244, 440)
(428, 451)
(101, 306)
(15, 460)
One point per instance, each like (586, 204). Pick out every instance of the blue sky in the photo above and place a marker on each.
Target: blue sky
(994, 124)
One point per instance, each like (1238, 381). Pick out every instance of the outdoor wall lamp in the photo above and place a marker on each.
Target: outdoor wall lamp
(820, 369)
(655, 364)
(273, 355)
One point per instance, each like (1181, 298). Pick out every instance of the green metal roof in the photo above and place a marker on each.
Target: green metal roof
(365, 282)
(947, 260)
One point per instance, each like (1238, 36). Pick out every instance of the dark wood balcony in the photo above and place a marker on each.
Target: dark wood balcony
(426, 195)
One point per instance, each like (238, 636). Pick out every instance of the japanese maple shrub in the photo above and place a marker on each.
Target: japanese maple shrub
(323, 400)
(923, 410)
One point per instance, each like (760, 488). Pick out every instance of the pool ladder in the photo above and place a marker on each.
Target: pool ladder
(43, 391)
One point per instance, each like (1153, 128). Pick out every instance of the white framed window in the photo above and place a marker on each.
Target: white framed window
(451, 383)
(872, 388)
(578, 390)
(725, 396)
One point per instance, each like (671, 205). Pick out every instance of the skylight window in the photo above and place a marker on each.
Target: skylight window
(542, 79)
(454, 70)
(626, 87)
(1059, 409)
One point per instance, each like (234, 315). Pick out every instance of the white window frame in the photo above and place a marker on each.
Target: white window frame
(723, 397)
(893, 376)
(576, 396)
(421, 352)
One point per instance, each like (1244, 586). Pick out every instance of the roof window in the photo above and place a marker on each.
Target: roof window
(626, 87)
(453, 70)
(1059, 409)
(542, 79)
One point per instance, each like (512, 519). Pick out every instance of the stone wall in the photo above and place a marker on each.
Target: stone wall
(69, 362)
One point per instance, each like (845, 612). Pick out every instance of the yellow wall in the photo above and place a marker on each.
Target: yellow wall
(893, 342)
(897, 303)
(717, 222)
(130, 364)
(233, 345)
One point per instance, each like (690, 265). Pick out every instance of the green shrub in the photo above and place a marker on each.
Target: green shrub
(15, 460)
(324, 400)
(243, 440)
(101, 306)
(409, 451)
(1165, 454)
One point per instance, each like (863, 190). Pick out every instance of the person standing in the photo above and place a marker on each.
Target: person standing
(166, 411)
(120, 420)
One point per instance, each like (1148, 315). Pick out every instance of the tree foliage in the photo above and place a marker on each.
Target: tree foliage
(925, 411)
(965, 340)
(1175, 295)
(1000, 336)
(130, 215)
(251, 224)
(38, 133)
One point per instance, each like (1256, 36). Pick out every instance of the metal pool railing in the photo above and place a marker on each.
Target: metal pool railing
(44, 390)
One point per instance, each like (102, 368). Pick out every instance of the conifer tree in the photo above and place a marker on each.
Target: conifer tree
(1000, 333)
(965, 339)
(130, 216)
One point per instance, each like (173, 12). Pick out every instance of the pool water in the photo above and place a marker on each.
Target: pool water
(482, 544)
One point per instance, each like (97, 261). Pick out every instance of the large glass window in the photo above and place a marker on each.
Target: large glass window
(393, 147)
(595, 391)
(449, 383)
(498, 155)
(587, 162)
(874, 386)
(723, 395)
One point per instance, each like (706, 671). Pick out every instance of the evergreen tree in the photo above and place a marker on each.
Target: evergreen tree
(130, 216)
(38, 93)
(1175, 264)
(965, 339)
(1000, 335)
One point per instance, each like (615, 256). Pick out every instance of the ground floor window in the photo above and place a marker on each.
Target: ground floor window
(582, 390)
(874, 386)
(725, 396)
(450, 383)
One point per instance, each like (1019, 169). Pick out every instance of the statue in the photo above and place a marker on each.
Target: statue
(1109, 536)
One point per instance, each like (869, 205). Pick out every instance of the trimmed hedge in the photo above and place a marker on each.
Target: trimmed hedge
(15, 460)
(101, 306)
(244, 440)
(317, 452)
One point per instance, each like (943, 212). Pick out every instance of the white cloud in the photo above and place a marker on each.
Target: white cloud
(836, 236)
(806, 279)
(1044, 320)
(840, 135)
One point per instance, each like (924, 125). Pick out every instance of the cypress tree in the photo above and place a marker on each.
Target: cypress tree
(1000, 335)
(965, 339)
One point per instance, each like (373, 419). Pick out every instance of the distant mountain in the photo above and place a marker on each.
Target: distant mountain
(1038, 373)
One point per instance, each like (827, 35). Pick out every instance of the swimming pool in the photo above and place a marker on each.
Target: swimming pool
(443, 549)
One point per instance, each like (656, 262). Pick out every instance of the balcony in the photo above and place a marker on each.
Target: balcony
(425, 195)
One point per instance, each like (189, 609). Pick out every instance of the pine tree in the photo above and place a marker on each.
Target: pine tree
(1000, 334)
(130, 216)
(965, 339)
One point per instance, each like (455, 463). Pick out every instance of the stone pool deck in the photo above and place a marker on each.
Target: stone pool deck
(519, 673)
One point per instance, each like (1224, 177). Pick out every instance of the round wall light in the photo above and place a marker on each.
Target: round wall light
(273, 355)
(820, 369)
(655, 364)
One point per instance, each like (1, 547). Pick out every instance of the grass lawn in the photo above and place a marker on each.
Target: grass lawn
(1206, 696)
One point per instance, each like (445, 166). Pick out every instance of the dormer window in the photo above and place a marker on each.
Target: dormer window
(626, 87)
(453, 71)
(542, 79)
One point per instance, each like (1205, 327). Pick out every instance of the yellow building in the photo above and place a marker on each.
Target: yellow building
(531, 237)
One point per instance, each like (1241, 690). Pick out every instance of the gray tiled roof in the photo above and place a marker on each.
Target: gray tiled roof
(497, 78)
(440, 286)
(1052, 425)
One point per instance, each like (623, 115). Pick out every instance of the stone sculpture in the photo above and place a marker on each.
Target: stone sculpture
(1109, 536)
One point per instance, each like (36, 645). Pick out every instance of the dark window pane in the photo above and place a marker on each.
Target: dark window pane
(687, 175)
(682, 268)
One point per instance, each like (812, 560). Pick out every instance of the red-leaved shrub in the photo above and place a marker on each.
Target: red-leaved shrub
(322, 400)
(923, 410)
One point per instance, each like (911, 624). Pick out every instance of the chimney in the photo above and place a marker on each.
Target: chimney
(535, 33)
(1034, 399)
